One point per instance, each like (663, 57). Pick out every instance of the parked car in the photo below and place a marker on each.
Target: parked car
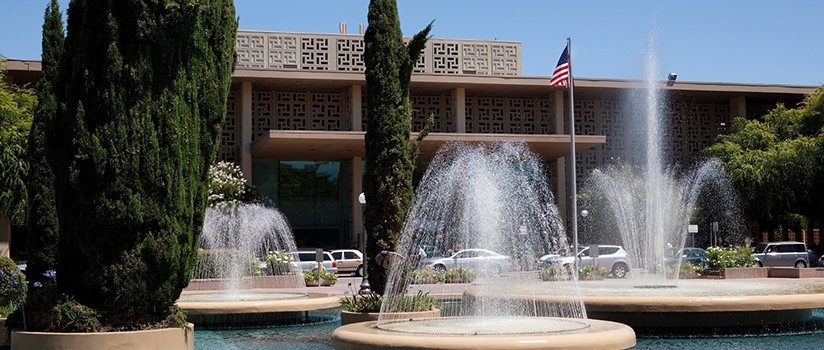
(480, 260)
(791, 254)
(305, 259)
(611, 257)
(693, 255)
(821, 261)
(813, 258)
(349, 260)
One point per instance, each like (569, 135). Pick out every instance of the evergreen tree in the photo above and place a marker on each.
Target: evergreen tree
(41, 215)
(390, 154)
(142, 90)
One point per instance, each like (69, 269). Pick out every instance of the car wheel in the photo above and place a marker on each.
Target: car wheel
(619, 270)
(759, 264)
(359, 271)
(439, 267)
(800, 264)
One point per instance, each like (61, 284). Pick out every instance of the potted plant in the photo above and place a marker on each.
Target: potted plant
(312, 278)
(328, 278)
(139, 90)
(367, 307)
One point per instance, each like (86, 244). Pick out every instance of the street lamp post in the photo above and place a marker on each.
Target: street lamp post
(584, 214)
(365, 288)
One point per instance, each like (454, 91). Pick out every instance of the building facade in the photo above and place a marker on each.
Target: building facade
(296, 117)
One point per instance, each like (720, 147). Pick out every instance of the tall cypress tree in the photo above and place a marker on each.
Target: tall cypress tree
(42, 218)
(390, 155)
(142, 95)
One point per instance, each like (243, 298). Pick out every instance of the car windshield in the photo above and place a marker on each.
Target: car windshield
(760, 248)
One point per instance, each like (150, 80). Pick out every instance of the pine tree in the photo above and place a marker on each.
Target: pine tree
(390, 154)
(142, 90)
(41, 215)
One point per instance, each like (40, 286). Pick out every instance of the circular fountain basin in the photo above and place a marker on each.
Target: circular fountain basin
(252, 307)
(699, 303)
(486, 333)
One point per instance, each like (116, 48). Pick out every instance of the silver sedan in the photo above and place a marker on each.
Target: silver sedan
(475, 259)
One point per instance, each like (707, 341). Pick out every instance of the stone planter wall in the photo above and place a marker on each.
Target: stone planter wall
(744, 272)
(168, 338)
(252, 282)
(347, 317)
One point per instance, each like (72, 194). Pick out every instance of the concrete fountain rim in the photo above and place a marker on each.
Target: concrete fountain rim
(574, 325)
(310, 302)
(597, 335)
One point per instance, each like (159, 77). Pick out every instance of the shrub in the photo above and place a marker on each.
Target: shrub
(12, 286)
(215, 263)
(142, 90)
(227, 186)
(319, 275)
(590, 272)
(279, 262)
(460, 275)
(71, 316)
(719, 258)
(425, 275)
(554, 273)
(372, 302)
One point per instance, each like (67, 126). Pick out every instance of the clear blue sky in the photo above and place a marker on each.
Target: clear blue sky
(754, 41)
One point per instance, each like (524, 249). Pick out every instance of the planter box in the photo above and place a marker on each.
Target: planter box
(791, 272)
(744, 272)
(251, 282)
(347, 317)
(327, 283)
(312, 283)
(167, 338)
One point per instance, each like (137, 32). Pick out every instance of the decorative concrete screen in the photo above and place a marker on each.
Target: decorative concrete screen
(344, 53)
(691, 126)
(229, 150)
(509, 115)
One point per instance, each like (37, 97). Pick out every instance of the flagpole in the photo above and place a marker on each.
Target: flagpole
(573, 181)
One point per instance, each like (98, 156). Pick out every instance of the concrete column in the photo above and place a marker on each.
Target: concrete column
(738, 107)
(357, 208)
(560, 164)
(459, 109)
(355, 108)
(246, 130)
(5, 235)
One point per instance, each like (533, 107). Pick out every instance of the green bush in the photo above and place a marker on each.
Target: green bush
(428, 275)
(211, 263)
(72, 316)
(141, 89)
(318, 275)
(554, 273)
(372, 303)
(12, 287)
(227, 186)
(720, 257)
(590, 272)
(279, 262)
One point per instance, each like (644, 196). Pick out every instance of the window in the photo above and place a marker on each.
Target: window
(463, 255)
(607, 250)
(337, 255)
(306, 256)
(791, 248)
(327, 257)
(350, 255)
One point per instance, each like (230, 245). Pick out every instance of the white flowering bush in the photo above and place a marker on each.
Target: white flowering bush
(720, 258)
(280, 262)
(226, 185)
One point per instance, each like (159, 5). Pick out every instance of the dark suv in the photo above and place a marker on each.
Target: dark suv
(790, 254)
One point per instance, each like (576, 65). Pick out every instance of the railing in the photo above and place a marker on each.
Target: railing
(344, 53)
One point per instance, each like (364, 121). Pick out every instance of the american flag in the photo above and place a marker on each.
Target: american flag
(561, 73)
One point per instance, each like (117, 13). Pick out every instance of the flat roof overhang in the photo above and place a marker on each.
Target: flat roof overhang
(340, 145)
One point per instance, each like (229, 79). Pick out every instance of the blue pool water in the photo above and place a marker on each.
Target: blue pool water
(316, 333)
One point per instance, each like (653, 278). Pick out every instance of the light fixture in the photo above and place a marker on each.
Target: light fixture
(362, 198)
(671, 79)
(584, 213)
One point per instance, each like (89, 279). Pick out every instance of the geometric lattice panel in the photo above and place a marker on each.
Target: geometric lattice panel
(344, 53)
(509, 115)
(436, 106)
(262, 119)
(229, 145)
(311, 111)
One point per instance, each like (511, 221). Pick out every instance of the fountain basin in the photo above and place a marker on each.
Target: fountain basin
(347, 317)
(486, 333)
(693, 303)
(254, 307)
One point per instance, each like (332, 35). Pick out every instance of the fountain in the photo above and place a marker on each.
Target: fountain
(493, 197)
(652, 207)
(235, 283)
